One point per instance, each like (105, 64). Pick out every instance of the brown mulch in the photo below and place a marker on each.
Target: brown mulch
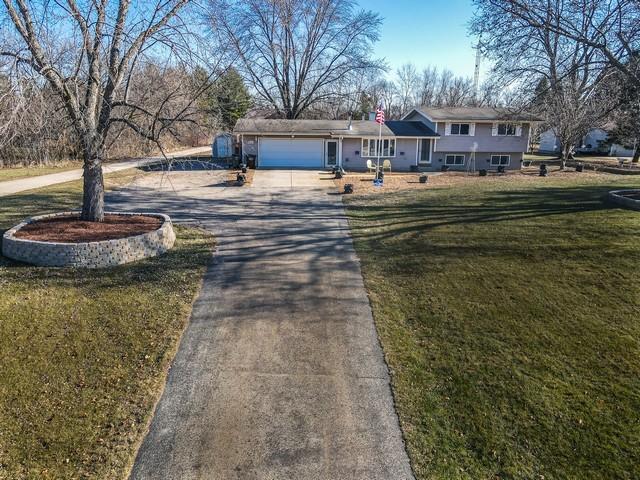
(363, 183)
(74, 230)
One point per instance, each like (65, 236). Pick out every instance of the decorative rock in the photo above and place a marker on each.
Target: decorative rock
(105, 253)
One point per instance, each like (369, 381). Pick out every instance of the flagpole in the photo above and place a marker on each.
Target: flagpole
(379, 150)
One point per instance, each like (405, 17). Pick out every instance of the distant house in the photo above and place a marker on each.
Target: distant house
(426, 138)
(594, 142)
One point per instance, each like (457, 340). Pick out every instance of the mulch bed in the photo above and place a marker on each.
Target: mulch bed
(74, 230)
(363, 183)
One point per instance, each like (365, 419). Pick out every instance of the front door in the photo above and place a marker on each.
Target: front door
(424, 147)
(330, 153)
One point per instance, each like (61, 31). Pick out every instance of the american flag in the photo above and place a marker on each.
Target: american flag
(380, 113)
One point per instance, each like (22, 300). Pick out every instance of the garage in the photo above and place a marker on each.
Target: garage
(290, 152)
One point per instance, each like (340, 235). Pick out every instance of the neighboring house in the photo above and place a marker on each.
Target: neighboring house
(426, 138)
(594, 142)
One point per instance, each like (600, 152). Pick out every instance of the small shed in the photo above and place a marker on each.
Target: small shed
(222, 146)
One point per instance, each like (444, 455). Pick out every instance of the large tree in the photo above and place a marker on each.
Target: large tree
(226, 100)
(609, 29)
(569, 77)
(89, 52)
(292, 52)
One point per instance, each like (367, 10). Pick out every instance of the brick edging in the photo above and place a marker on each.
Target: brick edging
(105, 253)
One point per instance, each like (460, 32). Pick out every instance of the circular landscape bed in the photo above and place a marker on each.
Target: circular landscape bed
(63, 240)
(626, 198)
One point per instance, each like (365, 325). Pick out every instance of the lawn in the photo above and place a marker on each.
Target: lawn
(510, 318)
(84, 354)
(7, 173)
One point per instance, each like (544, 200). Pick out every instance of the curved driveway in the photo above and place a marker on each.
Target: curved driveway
(279, 374)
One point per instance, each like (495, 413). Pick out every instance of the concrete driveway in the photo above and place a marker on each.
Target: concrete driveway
(279, 374)
(290, 179)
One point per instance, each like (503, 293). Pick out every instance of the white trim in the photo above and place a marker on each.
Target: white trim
(419, 112)
(419, 152)
(362, 139)
(464, 159)
(472, 127)
(258, 152)
(499, 164)
(496, 129)
(326, 147)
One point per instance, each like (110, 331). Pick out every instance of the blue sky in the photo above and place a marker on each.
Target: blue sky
(425, 32)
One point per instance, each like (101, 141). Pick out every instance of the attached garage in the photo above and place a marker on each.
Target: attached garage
(290, 152)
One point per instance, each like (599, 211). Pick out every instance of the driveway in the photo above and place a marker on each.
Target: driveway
(15, 186)
(290, 179)
(279, 374)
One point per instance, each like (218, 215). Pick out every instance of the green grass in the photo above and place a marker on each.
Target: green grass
(510, 319)
(84, 353)
(8, 173)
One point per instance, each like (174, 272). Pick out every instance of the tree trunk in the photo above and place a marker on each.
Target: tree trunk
(93, 192)
(636, 155)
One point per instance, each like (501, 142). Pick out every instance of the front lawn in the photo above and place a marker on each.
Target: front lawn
(15, 173)
(510, 318)
(84, 353)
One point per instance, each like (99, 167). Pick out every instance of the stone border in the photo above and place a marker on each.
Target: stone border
(618, 198)
(101, 254)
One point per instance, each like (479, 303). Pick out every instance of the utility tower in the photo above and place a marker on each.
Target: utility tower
(476, 75)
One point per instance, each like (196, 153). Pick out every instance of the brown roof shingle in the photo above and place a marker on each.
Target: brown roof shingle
(477, 114)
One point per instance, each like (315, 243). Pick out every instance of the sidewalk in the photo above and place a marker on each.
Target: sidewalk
(16, 186)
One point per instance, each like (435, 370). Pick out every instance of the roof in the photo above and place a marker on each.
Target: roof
(477, 113)
(359, 128)
(403, 128)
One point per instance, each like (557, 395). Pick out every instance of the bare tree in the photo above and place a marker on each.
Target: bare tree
(610, 30)
(572, 71)
(89, 54)
(407, 85)
(427, 86)
(293, 52)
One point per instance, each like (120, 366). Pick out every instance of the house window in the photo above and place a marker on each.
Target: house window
(370, 147)
(507, 129)
(454, 160)
(500, 160)
(460, 129)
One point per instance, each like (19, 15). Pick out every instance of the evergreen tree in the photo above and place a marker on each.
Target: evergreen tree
(225, 101)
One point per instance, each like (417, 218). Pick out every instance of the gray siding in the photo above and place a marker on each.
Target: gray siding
(483, 160)
(486, 142)
(416, 117)
(249, 145)
(405, 155)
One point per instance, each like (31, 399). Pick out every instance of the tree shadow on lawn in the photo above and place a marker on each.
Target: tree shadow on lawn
(434, 209)
(143, 272)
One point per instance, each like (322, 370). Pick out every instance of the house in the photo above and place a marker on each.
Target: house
(594, 142)
(426, 139)
(476, 137)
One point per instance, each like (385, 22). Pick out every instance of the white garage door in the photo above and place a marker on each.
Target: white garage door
(289, 152)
